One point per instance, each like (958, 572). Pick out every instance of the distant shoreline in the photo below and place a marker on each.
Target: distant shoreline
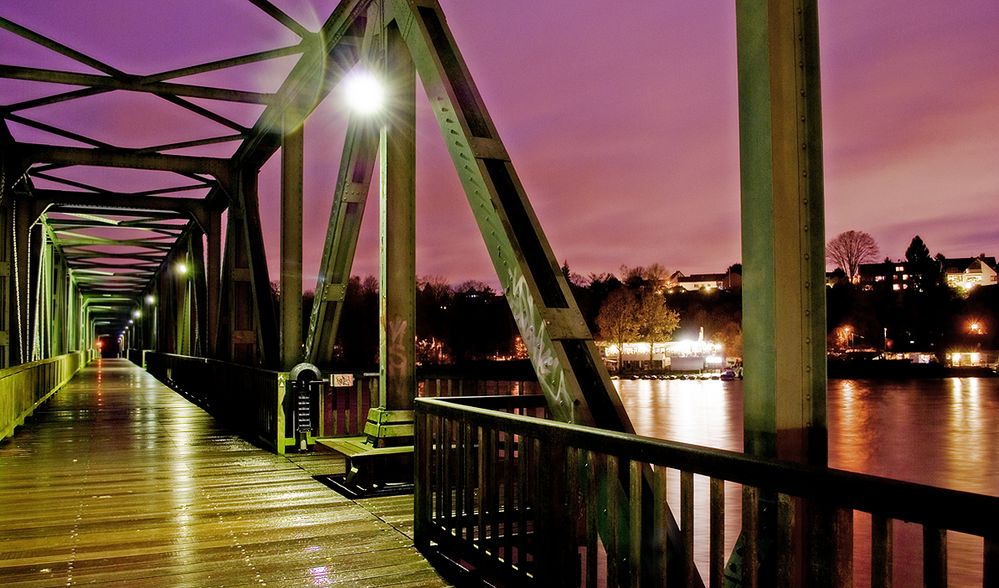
(846, 370)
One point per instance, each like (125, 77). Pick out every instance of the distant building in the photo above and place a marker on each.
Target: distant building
(725, 281)
(896, 275)
(892, 275)
(673, 355)
(961, 273)
(964, 273)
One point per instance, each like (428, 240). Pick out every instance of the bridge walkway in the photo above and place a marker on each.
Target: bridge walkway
(119, 481)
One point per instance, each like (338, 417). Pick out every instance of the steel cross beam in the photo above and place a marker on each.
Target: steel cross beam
(30, 153)
(194, 208)
(131, 83)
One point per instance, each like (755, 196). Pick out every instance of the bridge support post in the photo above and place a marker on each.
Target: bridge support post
(213, 278)
(784, 271)
(397, 221)
(292, 155)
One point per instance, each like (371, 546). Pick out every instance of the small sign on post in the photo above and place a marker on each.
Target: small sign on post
(341, 380)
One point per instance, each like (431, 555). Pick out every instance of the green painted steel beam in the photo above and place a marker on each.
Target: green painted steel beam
(353, 182)
(783, 249)
(397, 223)
(34, 153)
(560, 346)
(132, 84)
(292, 161)
(783, 239)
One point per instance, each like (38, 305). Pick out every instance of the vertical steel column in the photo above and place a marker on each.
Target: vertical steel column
(783, 246)
(198, 274)
(213, 276)
(397, 382)
(782, 232)
(291, 240)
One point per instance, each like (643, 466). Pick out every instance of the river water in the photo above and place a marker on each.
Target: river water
(941, 432)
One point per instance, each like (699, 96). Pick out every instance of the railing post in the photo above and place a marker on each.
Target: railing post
(281, 393)
(934, 557)
(991, 561)
(423, 489)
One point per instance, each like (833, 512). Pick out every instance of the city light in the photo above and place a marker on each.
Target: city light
(364, 93)
(150, 299)
(181, 268)
(136, 314)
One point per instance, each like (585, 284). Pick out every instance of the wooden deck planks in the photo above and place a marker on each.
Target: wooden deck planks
(118, 481)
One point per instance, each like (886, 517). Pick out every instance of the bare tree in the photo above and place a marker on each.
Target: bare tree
(652, 277)
(850, 249)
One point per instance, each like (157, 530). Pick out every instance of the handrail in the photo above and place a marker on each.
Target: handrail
(966, 512)
(26, 386)
(248, 399)
(516, 496)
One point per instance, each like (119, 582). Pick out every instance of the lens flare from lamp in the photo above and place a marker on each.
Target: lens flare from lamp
(364, 93)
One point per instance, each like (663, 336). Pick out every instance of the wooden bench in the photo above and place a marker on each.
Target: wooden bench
(361, 454)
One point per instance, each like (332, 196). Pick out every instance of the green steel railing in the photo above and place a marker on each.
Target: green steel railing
(24, 387)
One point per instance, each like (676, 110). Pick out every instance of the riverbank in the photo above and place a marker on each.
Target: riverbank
(874, 369)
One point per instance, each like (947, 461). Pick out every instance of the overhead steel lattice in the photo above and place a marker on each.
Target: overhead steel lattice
(125, 127)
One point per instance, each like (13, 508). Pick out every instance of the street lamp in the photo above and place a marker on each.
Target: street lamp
(181, 268)
(150, 300)
(364, 92)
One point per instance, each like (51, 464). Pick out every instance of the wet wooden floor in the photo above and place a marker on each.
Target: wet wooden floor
(119, 481)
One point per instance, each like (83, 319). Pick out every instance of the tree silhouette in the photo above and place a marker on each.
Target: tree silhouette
(850, 249)
(917, 252)
(925, 271)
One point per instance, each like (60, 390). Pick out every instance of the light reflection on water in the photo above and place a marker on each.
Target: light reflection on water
(941, 432)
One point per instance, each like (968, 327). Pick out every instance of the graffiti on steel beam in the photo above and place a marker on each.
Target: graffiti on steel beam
(534, 333)
(396, 337)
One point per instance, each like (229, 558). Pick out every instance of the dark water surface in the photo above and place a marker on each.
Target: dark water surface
(941, 432)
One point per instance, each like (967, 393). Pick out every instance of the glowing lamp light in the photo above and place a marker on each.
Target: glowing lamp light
(181, 268)
(137, 314)
(364, 93)
(150, 299)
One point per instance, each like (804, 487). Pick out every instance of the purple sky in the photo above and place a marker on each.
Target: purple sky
(621, 120)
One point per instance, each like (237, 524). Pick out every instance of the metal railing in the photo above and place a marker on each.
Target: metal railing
(246, 399)
(24, 387)
(345, 410)
(527, 501)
